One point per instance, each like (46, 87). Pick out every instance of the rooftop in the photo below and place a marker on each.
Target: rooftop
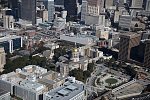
(65, 92)
(2, 92)
(8, 38)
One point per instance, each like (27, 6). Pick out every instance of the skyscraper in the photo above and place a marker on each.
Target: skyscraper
(95, 6)
(71, 7)
(28, 10)
(49, 4)
(83, 10)
(127, 41)
(148, 5)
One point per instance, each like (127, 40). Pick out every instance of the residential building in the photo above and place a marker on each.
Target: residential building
(28, 10)
(11, 43)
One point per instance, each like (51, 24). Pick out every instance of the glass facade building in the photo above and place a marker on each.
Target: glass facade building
(11, 43)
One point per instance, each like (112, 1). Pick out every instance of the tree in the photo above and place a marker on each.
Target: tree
(91, 67)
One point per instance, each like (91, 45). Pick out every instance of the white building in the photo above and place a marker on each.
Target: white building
(94, 19)
(71, 90)
(59, 23)
(81, 39)
(125, 21)
(8, 22)
(148, 5)
(23, 83)
(2, 59)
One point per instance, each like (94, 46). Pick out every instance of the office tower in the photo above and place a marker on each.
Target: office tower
(95, 6)
(8, 22)
(51, 9)
(148, 5)
(11, 43)
(83, 10)
(141, 53)
(137, 3)
(127, 41)
(71, 7)
(147, 54)
(2, 59)
(15, 6)
(28, 10)
(125, 21)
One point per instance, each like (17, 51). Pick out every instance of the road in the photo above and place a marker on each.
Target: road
(90, 81)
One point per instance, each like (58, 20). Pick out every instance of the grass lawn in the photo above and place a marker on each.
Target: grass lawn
(111, 81)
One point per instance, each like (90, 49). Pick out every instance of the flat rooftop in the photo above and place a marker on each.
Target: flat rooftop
(65, 92)
(2, 92)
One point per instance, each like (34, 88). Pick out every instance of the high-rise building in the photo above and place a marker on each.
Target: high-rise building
(2, 59)
(15, 6)
(71, 7)
(125, 21)
(127, 41)
(51, 9)
(8, 22)
(148, 5)
(83, 10)
(28, 10)
(137, 3)
(141, 53)
(11, 43)
(95, 6)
